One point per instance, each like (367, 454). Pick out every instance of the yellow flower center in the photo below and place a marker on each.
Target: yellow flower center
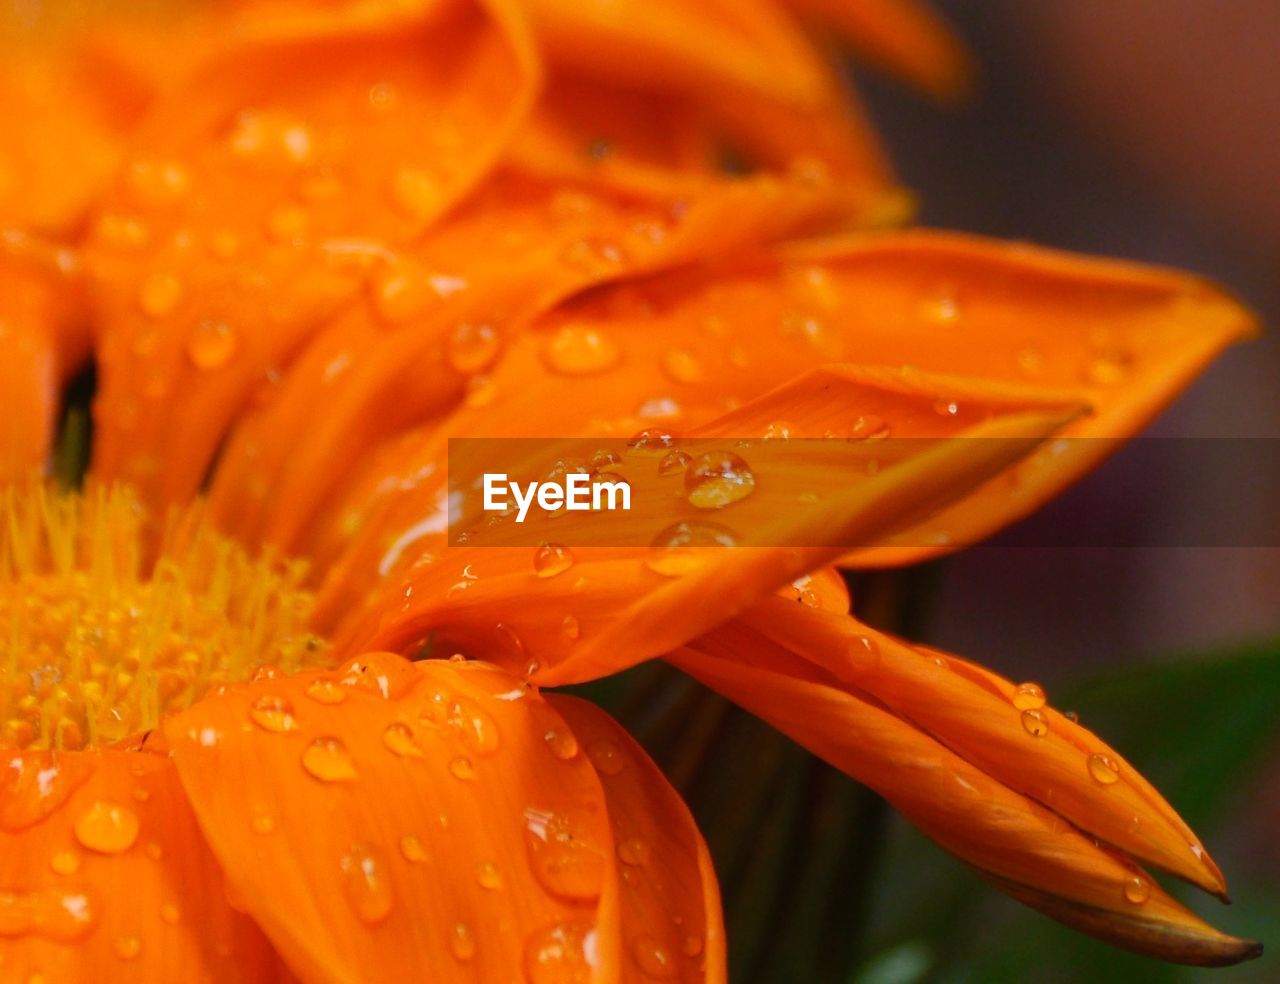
(107, 624)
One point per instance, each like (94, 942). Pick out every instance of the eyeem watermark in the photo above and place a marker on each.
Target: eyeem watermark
(580, 493)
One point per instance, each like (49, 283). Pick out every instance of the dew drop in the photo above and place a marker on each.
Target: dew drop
(651, 441)
(654, 959)
(673, 463)
(1104, 769)
(107, 827)
(273, 713)
(562, 742)
(262, 823)
(570, 628)
(127, 947)
(681, 548)
(634, 852)
(1137, 890)
(580, 350)
(367, 885)
(398, 737)
(488, 876)
(326, 690)
(1035, 723)
(474, 726)
(869, 427)
(472, 347)
(606, 756)
(328, 760)
(682, 366)
(411, 849)
(160, 295)
(593, 256)
(946, 408)
(461, 768)
(563, 856)
(551, 559)
(1109, 369)
(462, 942)
(65, 863)
(415, 193)
(561, 954)
(211, 345)
(602, 460)
(717, 479)
(779, 430)
(1028, 697)
(692, 946)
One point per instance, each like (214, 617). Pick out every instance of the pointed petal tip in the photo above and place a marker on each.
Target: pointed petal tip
(1188, 941)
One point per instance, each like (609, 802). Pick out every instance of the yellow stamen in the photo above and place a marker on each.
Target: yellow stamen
(101, 635)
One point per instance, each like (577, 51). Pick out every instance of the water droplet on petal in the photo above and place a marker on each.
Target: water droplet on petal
(692, 946)
(717, 479)
(411, 849)
(606, 756)
(1035, 723)
(562, 742)
(472, 347)
(1028, 697)
(1104, 769)
(654, 959)
(570, 628)
(551, 559)
(1109, 369)
(682, 366)
(65, 862)
(462, 942)
(461, 768)
(211, 345)
(673, 463)
(869, 428)
(262, 823)
(681, 548)
(580, 350)
(488, 876)
(127, 947)
(634, 852)
(416, 193)
(593, 256)
(561, 954)
(328, 760)
(368, 887)
(107, 827)
(273, 713)
(1137, 890)
(326, 690)
(565, 859)
(160, 295)
(652, 442)
(398, 737)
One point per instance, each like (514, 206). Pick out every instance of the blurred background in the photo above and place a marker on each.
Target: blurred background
(1148, 129)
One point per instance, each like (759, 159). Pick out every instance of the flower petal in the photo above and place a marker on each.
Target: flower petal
(669, 897)
(901, 36)
(1014, 842)
(429, 819)
(104, 876)
(440, 313)
(311, 130)
(625, 607)
(1005, 730)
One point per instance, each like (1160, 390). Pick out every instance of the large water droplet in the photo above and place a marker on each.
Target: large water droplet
(328, 760)
(472, 347)
(1028, 697)
(1035, 723)
(551, 559)
(273, 713)
(107, 827)
(1104, 769)
(160, 295)
(398, 737)
(561, 954)
(564, 858)
(211, 345)
(654, 958)
(1137, 890)
(581, 350)
(326, 690)
(462, 942)
(473, 725)
(606, 756)
(682, 548)
(367, 883)
(717, 479)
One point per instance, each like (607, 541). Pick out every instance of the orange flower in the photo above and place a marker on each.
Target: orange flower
(312, 243)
